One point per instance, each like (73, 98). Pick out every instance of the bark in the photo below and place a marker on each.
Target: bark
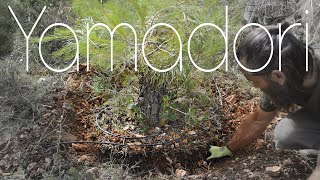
(268, 12)
(150, 101)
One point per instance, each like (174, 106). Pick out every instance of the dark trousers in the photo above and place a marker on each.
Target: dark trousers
(300, 130)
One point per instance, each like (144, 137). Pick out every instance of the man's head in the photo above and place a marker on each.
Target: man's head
(283, 87)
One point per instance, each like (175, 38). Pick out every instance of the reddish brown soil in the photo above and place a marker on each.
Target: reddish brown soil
(69, 113)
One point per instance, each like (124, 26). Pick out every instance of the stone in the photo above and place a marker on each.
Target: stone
(83, 158)
(205, 163)
(47, 163)
(260, 143)
(80, 147)
(196, 177)
(6, 174)
(23, 136)
(181, 173)
(254, 157)
(94, 171)
(48, 160)
(192, 133)
(41, 80)
(178, 165)
(273, 171)
(287, 162)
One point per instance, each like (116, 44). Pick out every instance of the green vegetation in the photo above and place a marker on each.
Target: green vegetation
(158, 95)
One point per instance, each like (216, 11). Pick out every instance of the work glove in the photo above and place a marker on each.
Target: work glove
(218, 152)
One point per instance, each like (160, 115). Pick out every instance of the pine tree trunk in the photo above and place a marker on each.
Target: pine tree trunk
(150, 101)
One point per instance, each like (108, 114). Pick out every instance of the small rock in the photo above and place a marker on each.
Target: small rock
(6, 174)
(247, 170)
(80, 147)
(157, 129)
(202, 163)
(83, 158)
(269, 146)
(31, 167)
(178, 165)
(287, 162)
(196, 177)
(22, 136)
(94, 171)
(55, 112)
(254, 158)
(192, 133)
(273, 171)
(47, 163)
(260, 143)
(205, 163)
(181, 173)
(1, 172)
(41, 80)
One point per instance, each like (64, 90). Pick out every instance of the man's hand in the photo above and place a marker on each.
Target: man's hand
(217, 152)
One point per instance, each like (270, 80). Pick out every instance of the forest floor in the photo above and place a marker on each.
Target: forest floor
(65, 142)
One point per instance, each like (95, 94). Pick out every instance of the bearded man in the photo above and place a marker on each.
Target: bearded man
(281, 89)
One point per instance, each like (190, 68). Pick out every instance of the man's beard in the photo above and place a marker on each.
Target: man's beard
(285, 96)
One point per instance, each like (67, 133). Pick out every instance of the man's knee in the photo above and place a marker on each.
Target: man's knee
(283, 134)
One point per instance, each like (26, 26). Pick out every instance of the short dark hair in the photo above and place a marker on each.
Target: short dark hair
(255, 50)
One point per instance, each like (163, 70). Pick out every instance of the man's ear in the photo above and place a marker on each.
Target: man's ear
(278, 76)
